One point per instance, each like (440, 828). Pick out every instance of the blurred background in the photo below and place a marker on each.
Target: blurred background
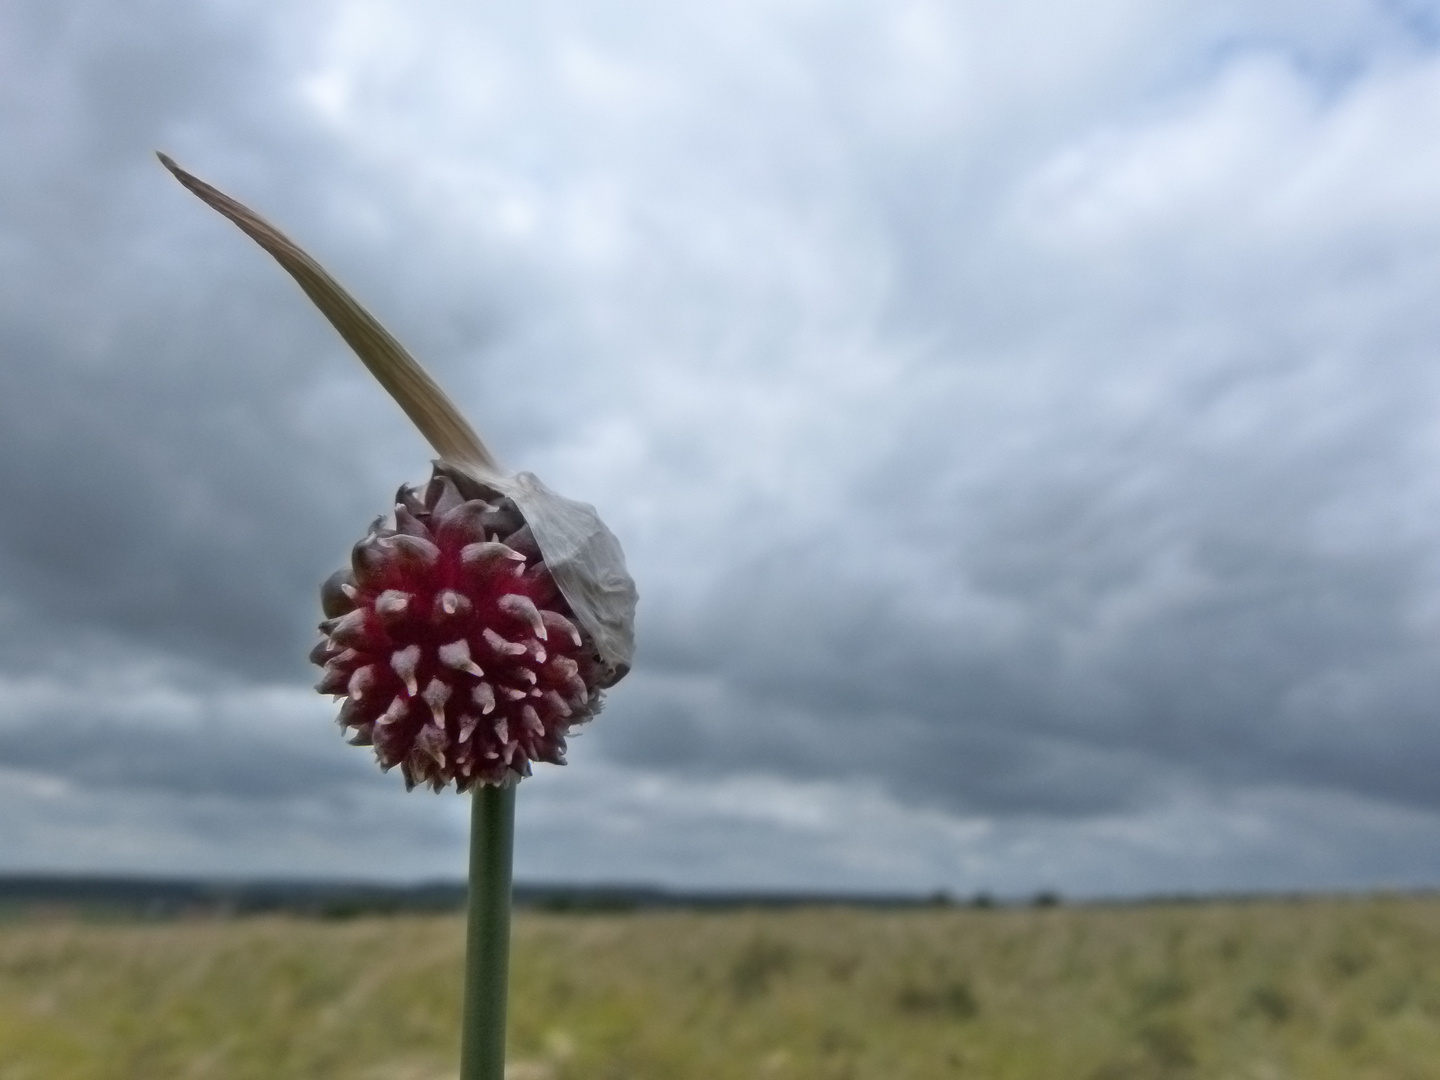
(1022, 420)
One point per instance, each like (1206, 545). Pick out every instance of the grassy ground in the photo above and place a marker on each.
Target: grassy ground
(1261, 991)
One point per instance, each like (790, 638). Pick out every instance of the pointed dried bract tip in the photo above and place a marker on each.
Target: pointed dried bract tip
(429, 643)
(511, 524)
(397, 371)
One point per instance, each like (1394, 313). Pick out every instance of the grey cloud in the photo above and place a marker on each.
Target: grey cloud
(256, 766)
(172, 480)
(947, 474)
(1196, 632)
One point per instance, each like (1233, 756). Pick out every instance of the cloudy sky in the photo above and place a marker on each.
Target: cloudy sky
(1022, 419)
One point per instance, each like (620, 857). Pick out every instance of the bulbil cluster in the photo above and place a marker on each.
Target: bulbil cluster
(457, 656)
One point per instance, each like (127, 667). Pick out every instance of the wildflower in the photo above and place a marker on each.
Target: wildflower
(451, 643)
(479, 624)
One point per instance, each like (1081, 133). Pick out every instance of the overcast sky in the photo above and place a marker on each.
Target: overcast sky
(1022, 420)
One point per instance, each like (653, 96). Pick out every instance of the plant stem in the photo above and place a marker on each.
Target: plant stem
(487, 946)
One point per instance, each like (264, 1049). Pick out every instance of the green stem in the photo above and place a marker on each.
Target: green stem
(487, 946)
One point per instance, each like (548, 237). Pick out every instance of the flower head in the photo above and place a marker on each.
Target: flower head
(478, 624)
(457, 656)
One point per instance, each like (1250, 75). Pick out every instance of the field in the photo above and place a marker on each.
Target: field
(1309, 990)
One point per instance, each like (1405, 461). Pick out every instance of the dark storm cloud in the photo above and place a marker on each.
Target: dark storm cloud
(109, 401)
(166, 422)
(227, 761)
(1205, 624)
(1005, 465)
(1191, 547)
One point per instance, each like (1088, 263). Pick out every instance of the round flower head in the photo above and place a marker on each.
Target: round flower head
(457, 656)
(478, 624)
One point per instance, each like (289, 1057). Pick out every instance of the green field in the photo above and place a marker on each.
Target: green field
(1308, 990)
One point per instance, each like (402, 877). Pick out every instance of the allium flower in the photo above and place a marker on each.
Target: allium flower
(477, 626)
(456, 654)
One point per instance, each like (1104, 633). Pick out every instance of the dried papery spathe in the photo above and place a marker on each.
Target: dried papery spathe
(581, 554)
(376, 642)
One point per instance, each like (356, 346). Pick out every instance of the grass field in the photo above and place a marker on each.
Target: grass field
(1307, 990)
